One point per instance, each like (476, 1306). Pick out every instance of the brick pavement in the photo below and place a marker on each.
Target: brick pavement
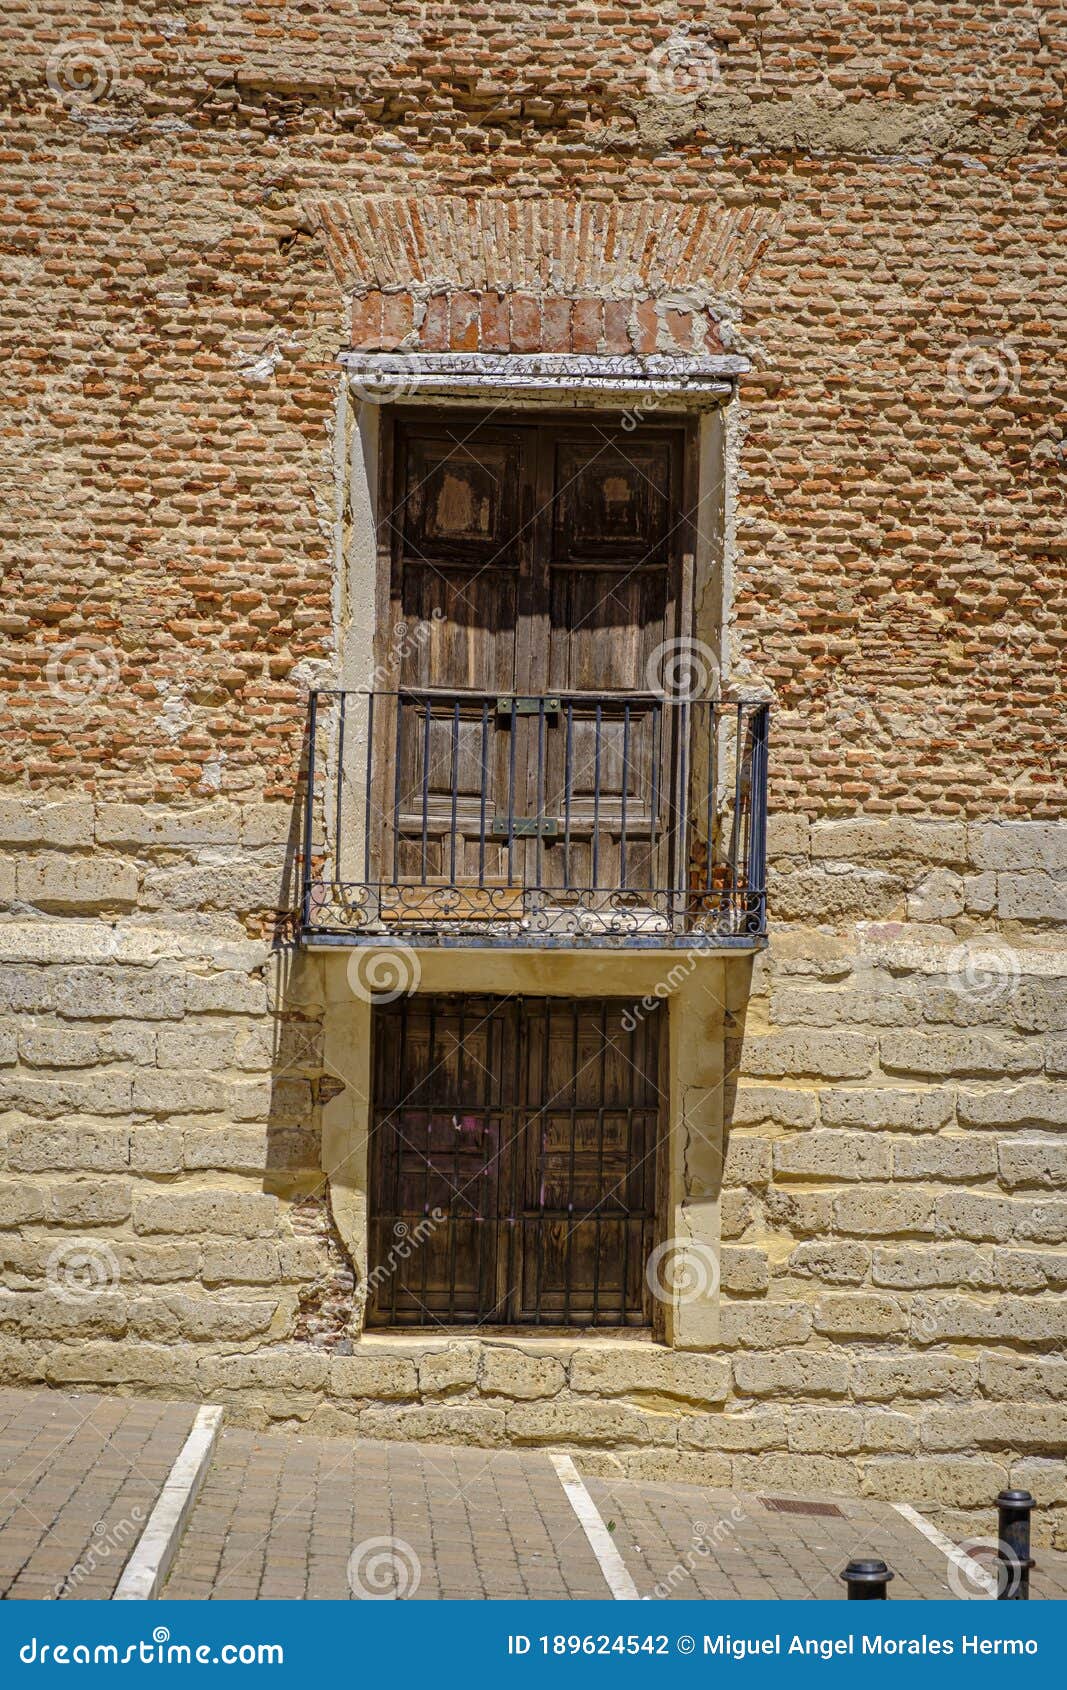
(79, 1476)
(280, 1515)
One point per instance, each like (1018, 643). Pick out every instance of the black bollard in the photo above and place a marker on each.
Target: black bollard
(1013, 1554)
(866, 1580)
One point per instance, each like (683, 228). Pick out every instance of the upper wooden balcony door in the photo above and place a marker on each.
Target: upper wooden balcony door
(539, 567)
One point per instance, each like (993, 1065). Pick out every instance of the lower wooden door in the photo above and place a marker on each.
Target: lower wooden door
(513, 1165)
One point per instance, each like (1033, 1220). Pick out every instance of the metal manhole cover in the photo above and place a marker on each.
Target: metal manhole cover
(789, 1505)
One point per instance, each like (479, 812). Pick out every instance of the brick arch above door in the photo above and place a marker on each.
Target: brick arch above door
(546, 274)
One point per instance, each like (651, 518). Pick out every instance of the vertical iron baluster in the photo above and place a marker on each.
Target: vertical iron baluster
(455, 792)
(367, 789)
(596, 799)
(309, 801)
(425, 788)
(485, 787)
(735, 833)
(337, 873)
(397, 786)
(657, 743)
(681, 869)
(709, 878)
(511, 796)
(572, 1148)
(756, 900)
(567, 776)
(540, 783)
(625, 785)
(598, 1215)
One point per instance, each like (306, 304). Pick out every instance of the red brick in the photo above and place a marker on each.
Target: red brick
(397, 318)
(616, 327)
(556, 324)
(587, 325)
(367, 323)
(525, 323)
(434, 333)
(464, 332)
(647, 328)
(494, 332)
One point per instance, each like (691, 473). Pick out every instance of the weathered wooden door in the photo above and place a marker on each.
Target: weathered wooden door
(514, 1149)
(543, 563)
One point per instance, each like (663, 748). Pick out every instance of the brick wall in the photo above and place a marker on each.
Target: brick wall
(868, 205)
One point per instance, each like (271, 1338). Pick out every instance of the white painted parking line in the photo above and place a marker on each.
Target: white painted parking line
(148, 1566)
(970, 1569)
(609, 1560)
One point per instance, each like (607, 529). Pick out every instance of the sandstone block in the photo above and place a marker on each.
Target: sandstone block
(257, 1263)
(1033, 1427)
(939, 896)
(821, 1475)
(90, 1203)
(799, 1211)
(760, 1106)
(47, 1314)
(815, 895)
(748, 1161)
(825, 1431)
(764, 1428)
(885, 1432)
(453, 1368)
(373, 1376)
(236, 1214)
(34, 1149)
(1013, 1320)
(108, 993)
(177, 1094)
(437, 1423)
(874, 1212)
(1029, 897)
(674, 1466)
(142, 1365)
(1022, 1379)
(197, 1044)
(835, 1056)
(1031, 1270)
(743, 1270)
(758, 1326)
(894, 838)
(834, 1262)
(1018, 846)
(576, 1422)
(201, 1319)
(787, 1373)
(26, 821)
(882, 1378)
(788, 836)
(297, 1369)
(62, 883)
(1033, 1161)
(859, 1315)
(155, 1263)
(20, 1203)
(967, 1214)
(958, 1482)
(898, 1109)
(651, 1376)
(828, 1154)
(1019, 1106)
(934, 1264)
(240, 1150)
(938, 1054)
(227, 992)
(511, 1373)
(156, 1150)
(944, 1158)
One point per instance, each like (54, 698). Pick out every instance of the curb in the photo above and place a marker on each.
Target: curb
(145, 1571)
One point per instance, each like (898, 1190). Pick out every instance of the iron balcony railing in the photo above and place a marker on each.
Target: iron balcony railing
(558, 818)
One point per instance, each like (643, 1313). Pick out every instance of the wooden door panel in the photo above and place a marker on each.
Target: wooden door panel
(605, 627)
(533, 1125)
(460, 494)
(612, 500)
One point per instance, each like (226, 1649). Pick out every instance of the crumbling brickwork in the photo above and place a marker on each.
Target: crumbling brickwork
(199, 213)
